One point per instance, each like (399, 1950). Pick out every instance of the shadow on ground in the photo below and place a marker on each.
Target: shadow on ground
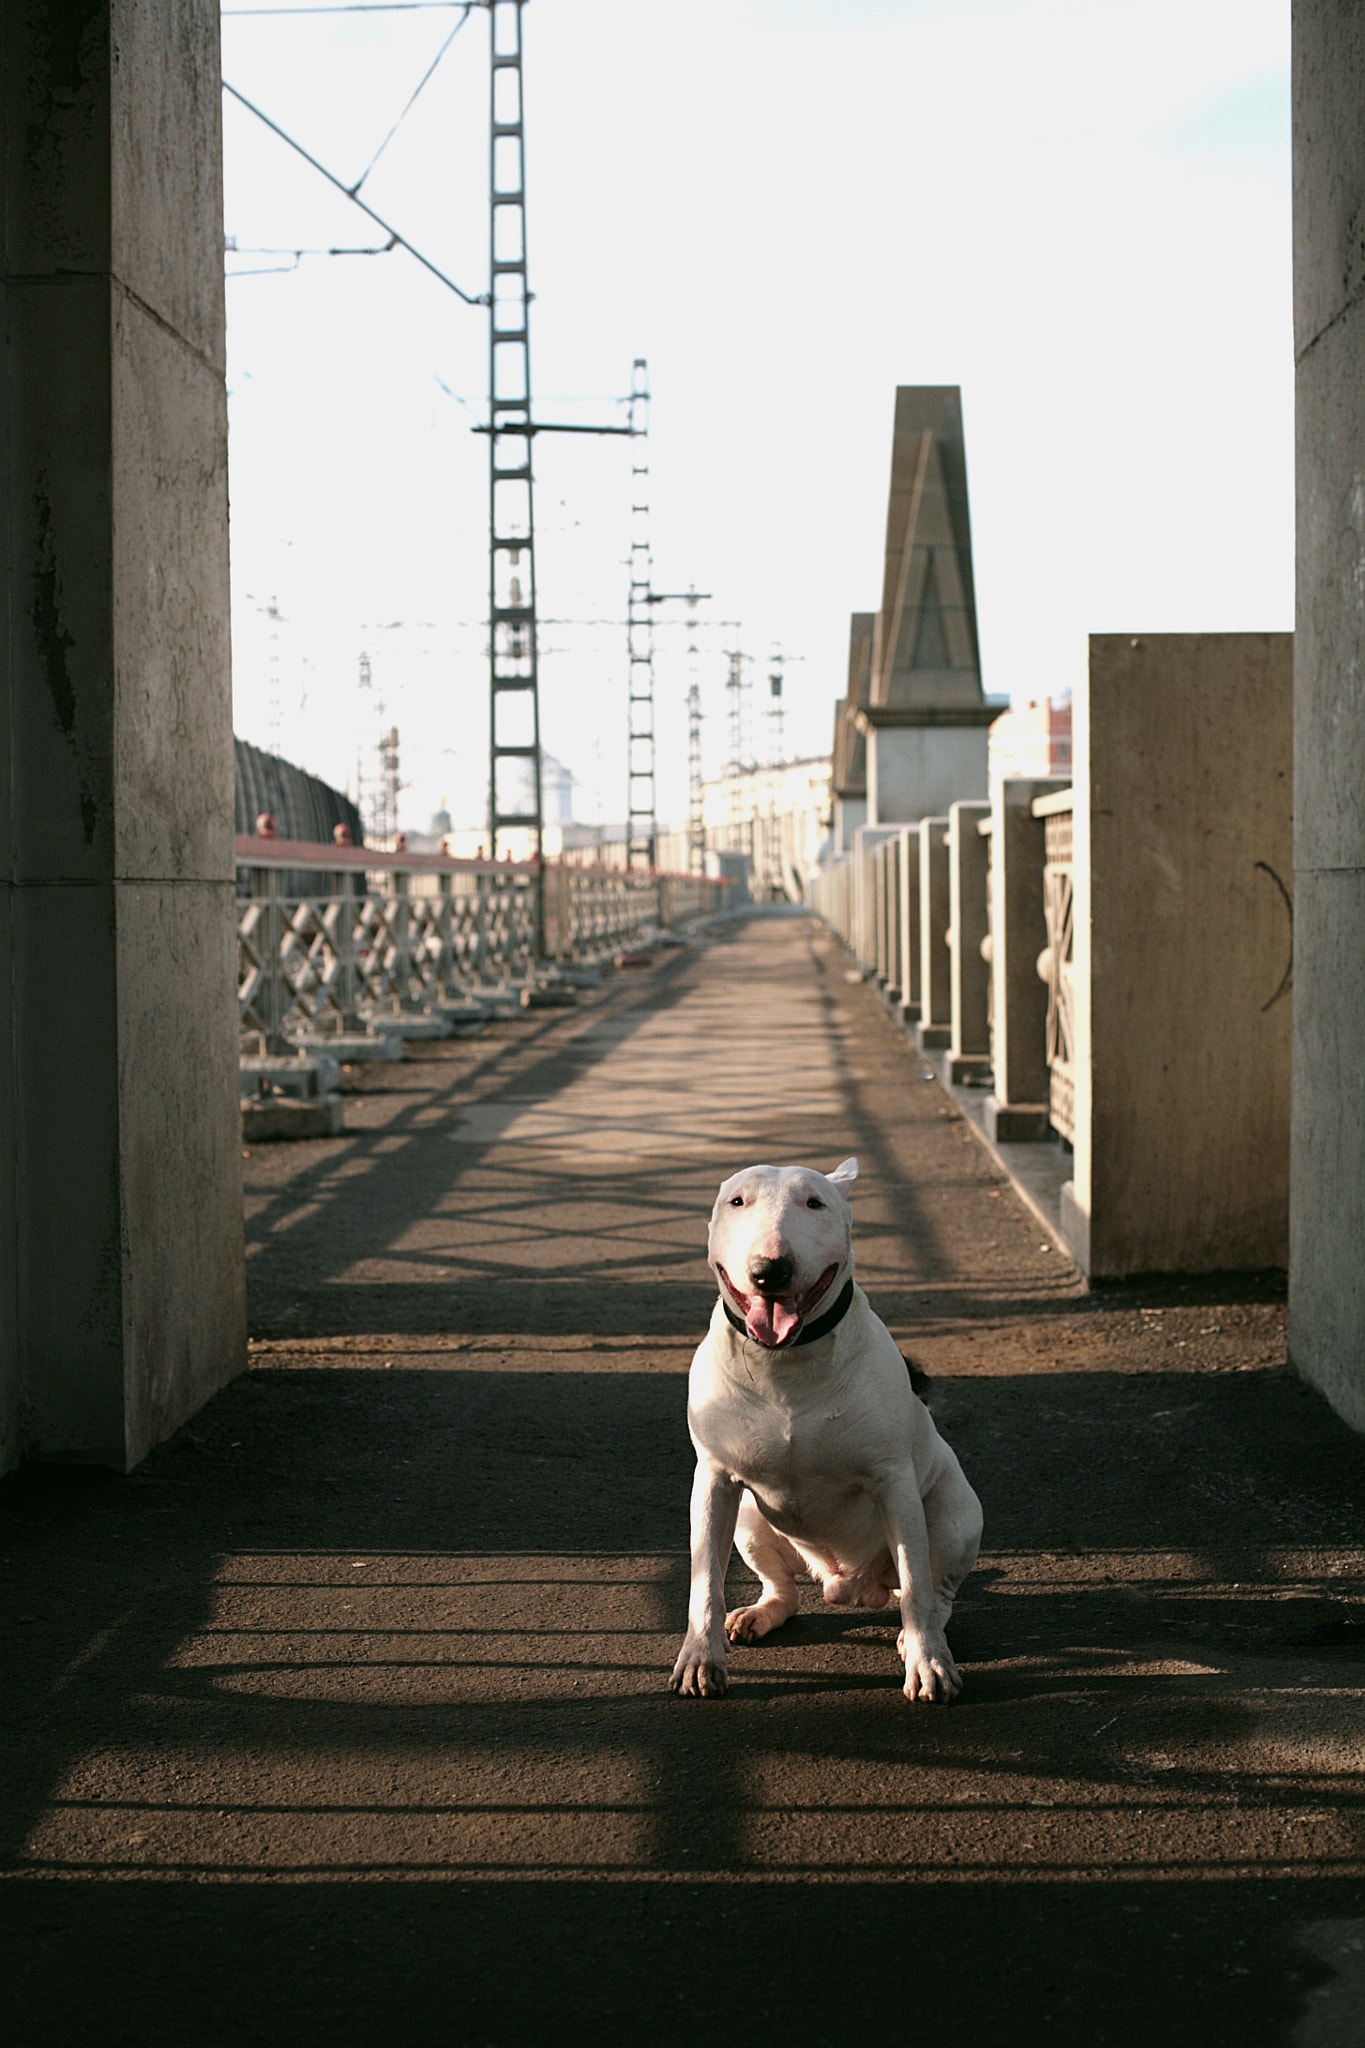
(214, 1829)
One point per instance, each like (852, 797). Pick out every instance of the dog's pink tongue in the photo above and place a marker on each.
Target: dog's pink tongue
(770, 1322)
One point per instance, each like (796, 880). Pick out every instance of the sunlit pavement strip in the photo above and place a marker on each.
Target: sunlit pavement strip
(319, 1630)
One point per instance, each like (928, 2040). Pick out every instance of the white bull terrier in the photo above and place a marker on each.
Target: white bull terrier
(813, 1452)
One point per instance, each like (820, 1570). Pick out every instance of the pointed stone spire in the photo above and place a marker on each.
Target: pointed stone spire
(925, 645)
(924, 716)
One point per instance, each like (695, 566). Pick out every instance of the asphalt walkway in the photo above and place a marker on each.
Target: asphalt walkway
(344, 1718)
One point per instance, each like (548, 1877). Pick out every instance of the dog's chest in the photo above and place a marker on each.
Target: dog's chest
(781, 1451)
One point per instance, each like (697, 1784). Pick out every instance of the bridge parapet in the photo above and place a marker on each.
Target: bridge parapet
(1127, 1053)
(380, 933)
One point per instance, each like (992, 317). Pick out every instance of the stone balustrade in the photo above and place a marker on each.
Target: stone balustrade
(1101, 972)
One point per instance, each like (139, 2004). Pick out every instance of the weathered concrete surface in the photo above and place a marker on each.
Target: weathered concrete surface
(119, 1143)
(935, 912)
(969, 972)
(1327, 1199)
(1183, 939)
(343, 1719)
(918, 763)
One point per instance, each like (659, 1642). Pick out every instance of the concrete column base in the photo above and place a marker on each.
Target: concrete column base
(1017, 1123)
(1075, 1227)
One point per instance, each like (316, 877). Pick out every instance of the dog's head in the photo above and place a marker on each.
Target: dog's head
(781, 1244)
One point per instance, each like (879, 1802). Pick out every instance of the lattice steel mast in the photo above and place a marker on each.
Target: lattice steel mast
(641, 818)
(514, 794)
(696, 802)
(741, 832)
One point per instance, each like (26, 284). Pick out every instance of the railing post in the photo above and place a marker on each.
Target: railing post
(907, 852)
(401, 969)
(935, 1027)
(970, 1044)
(340, 924)
(483, 883)
(265, 887)
(446, 977)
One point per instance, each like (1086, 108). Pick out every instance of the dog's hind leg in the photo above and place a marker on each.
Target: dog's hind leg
(776, 1562)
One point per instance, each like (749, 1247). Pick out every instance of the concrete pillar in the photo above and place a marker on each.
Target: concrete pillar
(121, 1269)
(879, 932)
(1327, 1201)
(969, 975)
(1183, 837)
(935, 1027)
(865, 913)
(907, 849)
(1017, 1108)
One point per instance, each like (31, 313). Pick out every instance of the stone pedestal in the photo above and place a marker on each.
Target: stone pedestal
(907, 853)
(935, 1027)
(121, 1268)
(967, 927)
(865, 900)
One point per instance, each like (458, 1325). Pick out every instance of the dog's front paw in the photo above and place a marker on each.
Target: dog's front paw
(930, 1673)
(698, 1672)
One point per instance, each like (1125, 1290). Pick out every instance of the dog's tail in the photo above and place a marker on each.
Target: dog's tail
(920, 1382)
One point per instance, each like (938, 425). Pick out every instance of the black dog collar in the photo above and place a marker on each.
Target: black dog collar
(808, 1332)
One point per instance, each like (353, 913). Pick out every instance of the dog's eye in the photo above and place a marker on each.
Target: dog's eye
(736, 1201)
(814, 1202)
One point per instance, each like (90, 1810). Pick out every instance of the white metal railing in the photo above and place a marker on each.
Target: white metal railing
(391, 932)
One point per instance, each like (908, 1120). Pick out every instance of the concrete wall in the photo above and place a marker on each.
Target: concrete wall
(1327, 1214)
(915, 771)
(120, 1157)
(1182, 949)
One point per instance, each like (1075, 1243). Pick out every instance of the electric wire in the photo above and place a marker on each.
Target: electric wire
(426, 77)
(288, 269)
(397, 239)
(355, 7)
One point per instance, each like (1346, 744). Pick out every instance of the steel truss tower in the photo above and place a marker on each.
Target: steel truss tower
(696, 808)
(514, 795)
(641, 818)
(741, 829)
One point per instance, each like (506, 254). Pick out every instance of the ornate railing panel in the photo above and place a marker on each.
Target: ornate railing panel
(1056, 962)
(389, 932)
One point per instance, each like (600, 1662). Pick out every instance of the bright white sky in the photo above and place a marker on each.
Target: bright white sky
(1078, 210)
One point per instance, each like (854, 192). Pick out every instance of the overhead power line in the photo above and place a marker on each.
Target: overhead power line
(425, 79)
(396, 238)
(287, 269)
(356, 7)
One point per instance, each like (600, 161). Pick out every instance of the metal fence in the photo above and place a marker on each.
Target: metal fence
(390, 932)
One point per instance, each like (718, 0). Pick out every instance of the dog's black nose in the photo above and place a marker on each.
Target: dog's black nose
(772, 1276)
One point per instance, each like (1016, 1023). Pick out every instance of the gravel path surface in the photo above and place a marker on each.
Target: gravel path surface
(344, 1718)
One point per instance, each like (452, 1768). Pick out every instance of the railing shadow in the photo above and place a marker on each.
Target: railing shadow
(361, 1681)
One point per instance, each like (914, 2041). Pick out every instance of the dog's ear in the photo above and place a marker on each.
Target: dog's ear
(844, 1173)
